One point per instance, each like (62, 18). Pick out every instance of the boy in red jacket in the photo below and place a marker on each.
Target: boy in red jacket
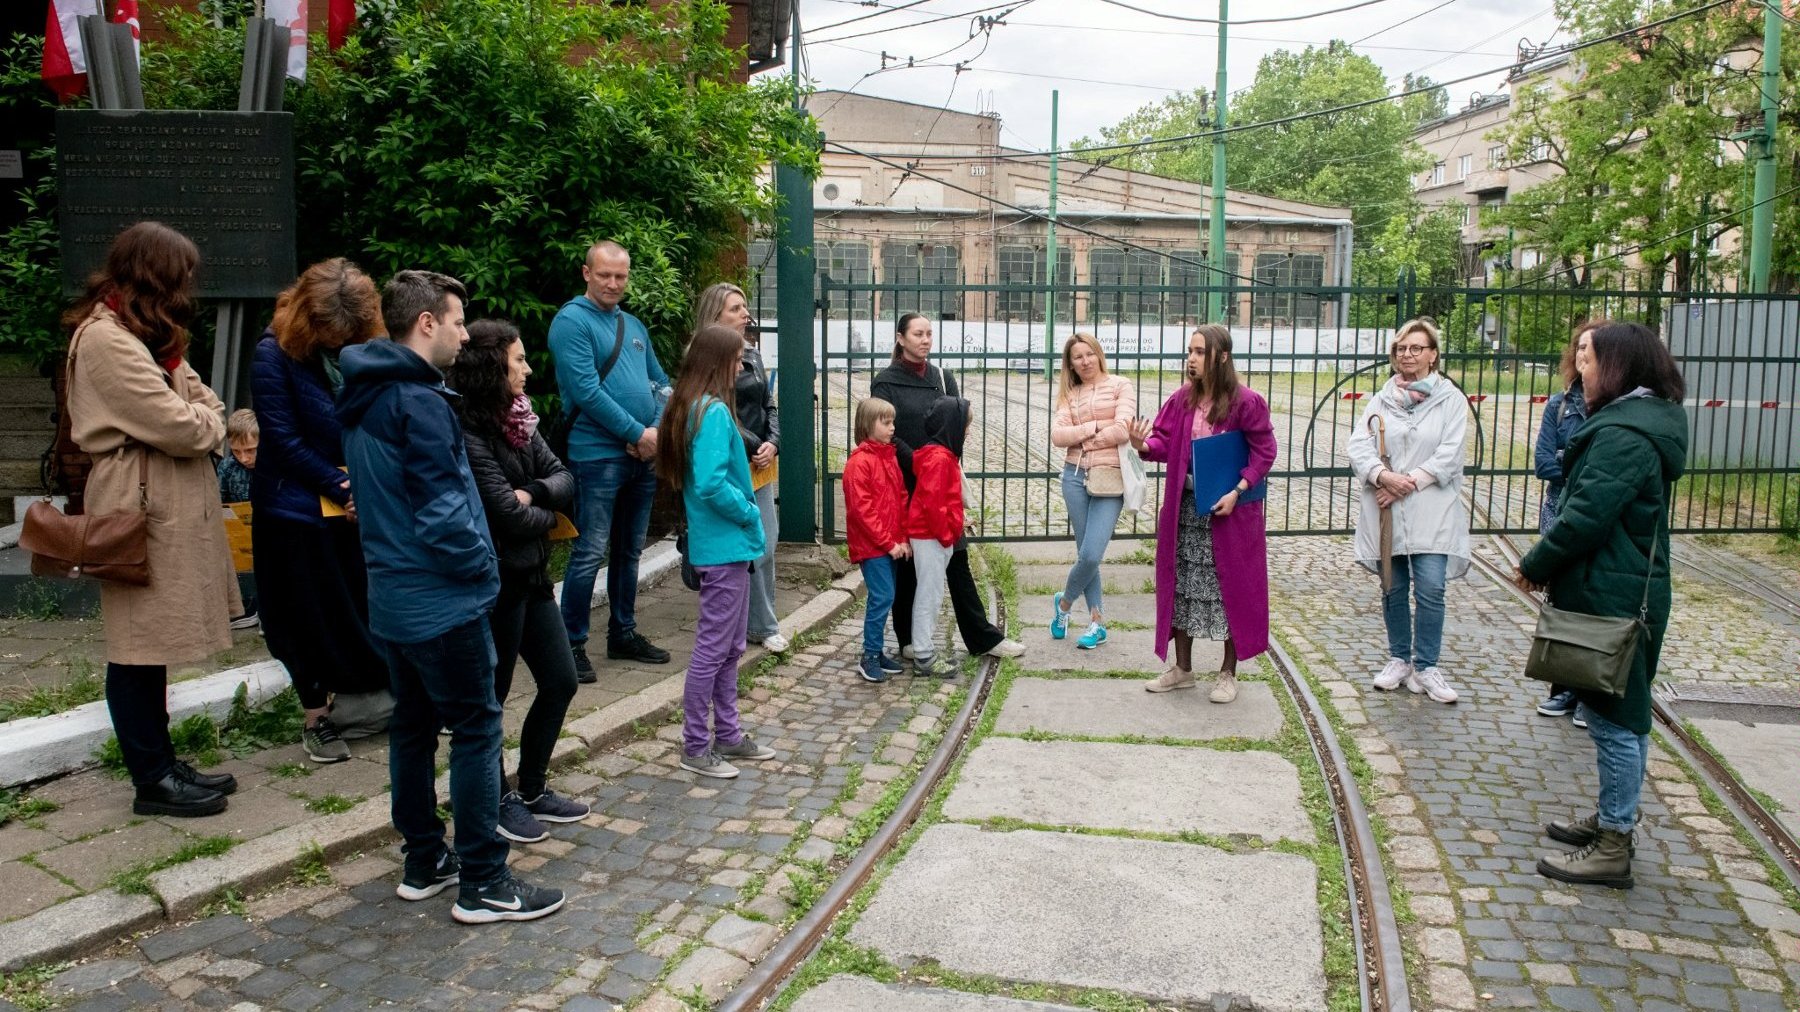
(934, 522)
(875, 504)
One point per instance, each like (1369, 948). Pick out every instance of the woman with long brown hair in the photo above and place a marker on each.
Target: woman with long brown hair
(310, 573)
(523, 486)
(151, 427)
(724, 304)
(701, 454)
(1212, 559)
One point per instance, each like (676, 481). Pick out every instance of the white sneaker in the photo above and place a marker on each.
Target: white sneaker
(906, 652)
(1171, 679)
(1431, 682)
(775, 643)
(1007, 648)
(1397, 671)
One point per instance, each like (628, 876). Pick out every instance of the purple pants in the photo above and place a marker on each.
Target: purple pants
(718, 646)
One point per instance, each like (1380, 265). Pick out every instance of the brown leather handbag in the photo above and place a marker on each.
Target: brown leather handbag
(113, 546)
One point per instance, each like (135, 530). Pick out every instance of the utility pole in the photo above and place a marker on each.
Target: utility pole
(1050, 256)
(1762, 215)
(797, 362)
(1215, 253)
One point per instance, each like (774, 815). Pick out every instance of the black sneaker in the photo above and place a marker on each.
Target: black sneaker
(322, 742)
(505, 899)
(584, 668)
(224, 783)
(553, 807)
(423, 885)
(890, 664)
(516, 824)
(634, 647)
(871, 668)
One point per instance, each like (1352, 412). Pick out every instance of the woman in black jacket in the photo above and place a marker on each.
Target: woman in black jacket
(912, 385)
(522, 486)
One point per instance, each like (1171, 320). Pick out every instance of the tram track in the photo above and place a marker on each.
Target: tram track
(1738, 799)
(1381, 970)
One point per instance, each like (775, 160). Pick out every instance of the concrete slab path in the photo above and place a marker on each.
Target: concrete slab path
(1766, 756)
(1113, 707)
(845, 993)
(1170, 921)
(1148, 788)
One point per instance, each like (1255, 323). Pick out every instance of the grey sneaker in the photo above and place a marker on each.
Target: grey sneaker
(931, 667)
(322, 742)
(709, 764)
(746, 748)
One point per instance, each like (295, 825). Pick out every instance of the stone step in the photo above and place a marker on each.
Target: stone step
(26, 391)
(1171, 922)
(1146, 788)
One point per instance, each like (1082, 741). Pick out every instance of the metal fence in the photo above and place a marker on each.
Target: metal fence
(1317, 354)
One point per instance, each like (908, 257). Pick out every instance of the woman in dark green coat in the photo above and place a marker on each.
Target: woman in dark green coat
(1596, 559)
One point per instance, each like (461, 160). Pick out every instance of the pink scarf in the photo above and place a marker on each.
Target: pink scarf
(521, 423)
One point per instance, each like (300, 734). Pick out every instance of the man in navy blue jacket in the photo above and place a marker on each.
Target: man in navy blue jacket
(433, 577)
(612, 446)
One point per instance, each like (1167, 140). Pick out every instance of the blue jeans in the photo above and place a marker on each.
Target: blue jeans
(1416, 639)
(1624, 758)
(447, 681)
(1092, 519)
(878, 581)
(613, 516)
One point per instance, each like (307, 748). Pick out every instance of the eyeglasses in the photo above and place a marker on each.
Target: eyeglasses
(1406, 350)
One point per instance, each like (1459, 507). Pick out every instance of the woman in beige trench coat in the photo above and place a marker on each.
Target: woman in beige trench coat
(133, 399)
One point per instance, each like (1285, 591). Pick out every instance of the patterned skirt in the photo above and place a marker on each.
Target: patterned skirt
(1199, 607)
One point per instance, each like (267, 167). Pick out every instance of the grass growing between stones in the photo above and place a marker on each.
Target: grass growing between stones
(136, 879)
(28, 988)
(1777, 879)
(15, 805)
(83, 686)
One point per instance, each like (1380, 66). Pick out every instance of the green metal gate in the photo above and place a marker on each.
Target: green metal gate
(1317, 353)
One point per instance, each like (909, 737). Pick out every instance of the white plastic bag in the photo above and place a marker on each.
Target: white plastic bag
(1131, 467)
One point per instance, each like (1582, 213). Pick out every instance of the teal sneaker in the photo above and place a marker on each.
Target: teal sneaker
(1095, 635)
(1059, 619)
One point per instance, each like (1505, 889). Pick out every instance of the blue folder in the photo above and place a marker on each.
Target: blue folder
(1217, 466)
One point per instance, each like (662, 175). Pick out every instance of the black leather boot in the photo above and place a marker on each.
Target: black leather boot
(174, 796)
(224, 783)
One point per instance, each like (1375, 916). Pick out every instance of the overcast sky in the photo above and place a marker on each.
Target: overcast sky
(1108, 61)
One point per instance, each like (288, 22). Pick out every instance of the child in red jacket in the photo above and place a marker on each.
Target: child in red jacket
(934, 522)
(875, 513)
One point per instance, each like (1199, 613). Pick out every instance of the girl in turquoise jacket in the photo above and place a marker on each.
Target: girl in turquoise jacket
(701, 454)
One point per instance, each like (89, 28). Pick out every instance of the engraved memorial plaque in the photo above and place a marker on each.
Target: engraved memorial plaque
(223, 179)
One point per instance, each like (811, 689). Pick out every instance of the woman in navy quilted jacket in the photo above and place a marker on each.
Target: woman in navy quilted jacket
(310, 578)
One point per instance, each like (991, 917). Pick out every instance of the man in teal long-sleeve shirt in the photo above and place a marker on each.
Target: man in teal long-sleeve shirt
(612, 445)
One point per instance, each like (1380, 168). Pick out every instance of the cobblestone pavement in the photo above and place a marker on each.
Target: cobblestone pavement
(674, 883)
(1464, 790)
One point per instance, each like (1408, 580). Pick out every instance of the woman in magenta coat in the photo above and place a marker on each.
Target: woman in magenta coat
(1212, 571)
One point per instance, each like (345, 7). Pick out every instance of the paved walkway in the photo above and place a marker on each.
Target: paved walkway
(1465, 790)
(90, 839)
(1103, 844)
(674, 882)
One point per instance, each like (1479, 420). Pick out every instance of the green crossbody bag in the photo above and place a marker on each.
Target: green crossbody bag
(1589, 653)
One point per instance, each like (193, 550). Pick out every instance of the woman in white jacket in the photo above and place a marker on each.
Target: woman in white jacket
(1419, 421)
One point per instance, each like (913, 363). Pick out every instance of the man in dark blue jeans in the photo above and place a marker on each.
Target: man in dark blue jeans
(608, 376)
(432, 579)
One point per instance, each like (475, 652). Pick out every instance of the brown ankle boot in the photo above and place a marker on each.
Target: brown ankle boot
(1606, 861)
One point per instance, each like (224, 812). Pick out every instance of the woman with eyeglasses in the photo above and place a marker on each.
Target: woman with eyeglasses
(1407, 454)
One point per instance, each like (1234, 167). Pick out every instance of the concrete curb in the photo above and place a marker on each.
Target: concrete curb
(91, 923)
(38, 748)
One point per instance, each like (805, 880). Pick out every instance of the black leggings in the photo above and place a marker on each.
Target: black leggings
(527, 624)
(978, 634)
(137, 696)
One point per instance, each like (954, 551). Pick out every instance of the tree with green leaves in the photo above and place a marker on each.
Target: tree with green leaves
(1364, 158)
(1641, 135)
(495, 139)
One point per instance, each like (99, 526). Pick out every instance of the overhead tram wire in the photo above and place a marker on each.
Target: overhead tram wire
(1236, 37)
(920, 24)
(1178, 139)
(871, 14)
(1415, 17)
(1247, 21)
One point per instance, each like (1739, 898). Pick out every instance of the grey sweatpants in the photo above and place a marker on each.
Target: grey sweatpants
(930, 561)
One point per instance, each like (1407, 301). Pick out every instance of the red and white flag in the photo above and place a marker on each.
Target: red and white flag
(340, 17)
(65, 59)
(291, 14)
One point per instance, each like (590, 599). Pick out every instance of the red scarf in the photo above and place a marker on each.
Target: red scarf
(917, 369)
